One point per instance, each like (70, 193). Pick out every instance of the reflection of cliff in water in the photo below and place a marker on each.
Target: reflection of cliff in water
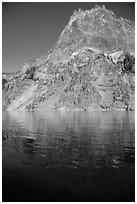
(73, 139)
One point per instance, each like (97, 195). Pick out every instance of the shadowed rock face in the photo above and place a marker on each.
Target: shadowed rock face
(92, 66)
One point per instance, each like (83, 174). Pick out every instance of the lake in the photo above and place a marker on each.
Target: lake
(68, 156)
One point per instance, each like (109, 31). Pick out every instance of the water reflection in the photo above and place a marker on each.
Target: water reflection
(73, 136)
(76, 146)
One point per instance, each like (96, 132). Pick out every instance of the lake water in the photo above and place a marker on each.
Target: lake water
(68, 156)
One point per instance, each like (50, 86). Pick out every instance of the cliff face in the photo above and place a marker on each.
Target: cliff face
(92, 66)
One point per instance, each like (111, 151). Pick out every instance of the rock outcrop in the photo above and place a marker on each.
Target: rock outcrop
(91, 67)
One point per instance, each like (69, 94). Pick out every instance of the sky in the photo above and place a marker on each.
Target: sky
(30, 29)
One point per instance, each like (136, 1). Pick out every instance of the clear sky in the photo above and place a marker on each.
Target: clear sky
(29, 30)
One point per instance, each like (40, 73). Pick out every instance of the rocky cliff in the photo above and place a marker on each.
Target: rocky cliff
(91, 67)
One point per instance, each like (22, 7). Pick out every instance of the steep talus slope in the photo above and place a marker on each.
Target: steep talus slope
(92, 66)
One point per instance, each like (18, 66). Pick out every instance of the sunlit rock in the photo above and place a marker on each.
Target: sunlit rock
(91, 67)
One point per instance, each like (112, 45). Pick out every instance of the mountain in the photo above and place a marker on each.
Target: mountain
(91, 67)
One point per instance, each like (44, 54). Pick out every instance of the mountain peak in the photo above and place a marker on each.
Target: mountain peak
(92, 66)
(98, 28)
(98, 9)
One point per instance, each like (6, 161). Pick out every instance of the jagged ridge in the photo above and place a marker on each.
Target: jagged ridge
(92, 66)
